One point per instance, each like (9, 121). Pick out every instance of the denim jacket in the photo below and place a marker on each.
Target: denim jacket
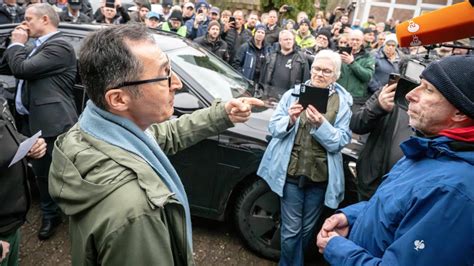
(274, 165)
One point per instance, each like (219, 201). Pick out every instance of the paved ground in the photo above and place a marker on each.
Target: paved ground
(215, 243)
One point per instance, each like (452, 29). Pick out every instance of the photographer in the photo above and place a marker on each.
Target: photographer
(197, 26)
(113, 13)
(337, 14)
(388, 126)
(235, 33)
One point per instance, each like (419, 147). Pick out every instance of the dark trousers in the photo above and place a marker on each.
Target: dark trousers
(41, 166)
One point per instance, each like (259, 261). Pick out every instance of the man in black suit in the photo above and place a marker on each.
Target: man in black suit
(44, 100)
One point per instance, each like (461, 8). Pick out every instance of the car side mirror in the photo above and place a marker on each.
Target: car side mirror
(185, 103)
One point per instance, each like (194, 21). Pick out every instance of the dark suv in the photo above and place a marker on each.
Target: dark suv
(219, 173)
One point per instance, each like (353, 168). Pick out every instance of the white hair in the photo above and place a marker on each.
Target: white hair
(334, 57)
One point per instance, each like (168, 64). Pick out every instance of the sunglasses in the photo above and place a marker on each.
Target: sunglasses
(145, 81)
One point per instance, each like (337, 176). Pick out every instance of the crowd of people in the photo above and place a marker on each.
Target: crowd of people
(412, 175)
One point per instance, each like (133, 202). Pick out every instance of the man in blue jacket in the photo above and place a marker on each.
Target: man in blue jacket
(422, 213)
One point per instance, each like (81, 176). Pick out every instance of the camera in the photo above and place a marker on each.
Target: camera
(289, 8)
(200, 11)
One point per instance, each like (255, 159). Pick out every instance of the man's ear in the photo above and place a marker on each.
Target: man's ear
(117, 100)
(459, 117)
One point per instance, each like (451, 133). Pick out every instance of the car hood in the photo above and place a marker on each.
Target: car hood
(257, 126)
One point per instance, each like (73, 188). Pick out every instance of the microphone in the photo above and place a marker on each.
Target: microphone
(446, 24)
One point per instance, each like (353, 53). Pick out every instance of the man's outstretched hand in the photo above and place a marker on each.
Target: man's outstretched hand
(239, 109)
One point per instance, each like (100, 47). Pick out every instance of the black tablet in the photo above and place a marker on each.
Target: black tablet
(317, 97)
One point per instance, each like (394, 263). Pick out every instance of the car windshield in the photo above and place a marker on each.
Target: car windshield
(218, 78)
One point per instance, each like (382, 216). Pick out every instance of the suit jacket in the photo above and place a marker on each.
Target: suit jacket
(49, 75)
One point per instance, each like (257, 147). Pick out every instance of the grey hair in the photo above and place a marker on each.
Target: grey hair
(43, 9)
(284, 32)
(334, 57)
(106, 60)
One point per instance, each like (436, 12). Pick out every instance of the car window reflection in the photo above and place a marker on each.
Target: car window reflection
(215, 76)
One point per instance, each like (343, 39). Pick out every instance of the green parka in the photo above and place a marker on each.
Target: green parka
(112, 222)
(355, 77)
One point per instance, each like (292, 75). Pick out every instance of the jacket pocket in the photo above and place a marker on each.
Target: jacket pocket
(47, 100)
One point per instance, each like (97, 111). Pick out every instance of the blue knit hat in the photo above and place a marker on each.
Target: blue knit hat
(260, 27)
(453, 76)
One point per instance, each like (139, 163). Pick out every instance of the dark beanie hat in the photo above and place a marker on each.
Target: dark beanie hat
(324, 32)
(305, 21)
(176, 14)
(453, 76)
(367, 30)
(260, 27)
(146, 4)
(213, 23)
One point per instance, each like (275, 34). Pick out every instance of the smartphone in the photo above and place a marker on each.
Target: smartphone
(346, 49)
(110, 4)
(317, 97)
(289, 8)
(404, 86)
(393, 78)
(200, 11)
(231, 19)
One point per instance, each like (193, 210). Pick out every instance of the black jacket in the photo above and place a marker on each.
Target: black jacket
(6, 17)
(49, 76)
(64, 17)
(234, 40)
(249, 59)
(14, 193)
(219, 47)
(299, 72)
(373, 162)
(272, 35)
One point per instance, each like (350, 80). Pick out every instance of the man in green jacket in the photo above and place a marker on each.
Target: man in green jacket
(110, 174)
(357, 69)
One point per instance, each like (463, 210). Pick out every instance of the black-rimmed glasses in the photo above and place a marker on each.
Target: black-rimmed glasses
(145, 81)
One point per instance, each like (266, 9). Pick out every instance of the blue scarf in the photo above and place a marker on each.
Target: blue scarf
(125, 134)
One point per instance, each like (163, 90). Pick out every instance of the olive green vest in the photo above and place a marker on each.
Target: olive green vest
(308, 157)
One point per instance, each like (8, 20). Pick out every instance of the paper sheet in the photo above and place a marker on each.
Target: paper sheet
(24, 148)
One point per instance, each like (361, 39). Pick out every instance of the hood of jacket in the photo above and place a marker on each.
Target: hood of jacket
(85, 170)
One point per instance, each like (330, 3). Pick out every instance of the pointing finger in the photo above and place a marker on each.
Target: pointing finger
(253, 101)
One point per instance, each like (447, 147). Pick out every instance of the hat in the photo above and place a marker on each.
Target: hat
(176, 14)
(391, 38)
(75, 4)
(324, 32)
(213, 23)
(143, 3)
(167, 3)
(201, 4)
(215, 10)
(153, 14)
(188, 4)
(452, 76)
(260, 27)
(304, 21)
(367, 30)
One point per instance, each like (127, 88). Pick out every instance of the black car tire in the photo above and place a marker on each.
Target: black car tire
(257, 218)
